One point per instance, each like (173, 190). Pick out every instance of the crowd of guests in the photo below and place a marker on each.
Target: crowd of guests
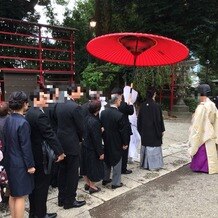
(84, 137)
(80, 138)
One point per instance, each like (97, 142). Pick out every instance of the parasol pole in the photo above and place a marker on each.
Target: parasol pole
(131, 86)
(134, 64)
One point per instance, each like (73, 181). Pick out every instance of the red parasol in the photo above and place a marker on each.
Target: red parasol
(137, 49)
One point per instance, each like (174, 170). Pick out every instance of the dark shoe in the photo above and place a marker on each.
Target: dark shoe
(105, 182)
(117, 186)
(92, 190)
(74, 204)
(60, 203)
(86, 187)
(50, 215)
(127, 172)
(31, 215)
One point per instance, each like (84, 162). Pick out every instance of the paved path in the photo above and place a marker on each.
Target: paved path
(180, 194)
(175, 156)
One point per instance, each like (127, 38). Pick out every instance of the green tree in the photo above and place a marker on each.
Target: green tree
(17, 9)
(193, 23)
(151, 76)
(99, 77)
(79, 19)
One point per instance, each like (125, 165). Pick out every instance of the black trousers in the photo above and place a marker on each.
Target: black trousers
(68, 179)
(38, 197)
(125, 157)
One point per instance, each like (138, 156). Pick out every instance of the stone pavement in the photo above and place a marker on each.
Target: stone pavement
(175, 156)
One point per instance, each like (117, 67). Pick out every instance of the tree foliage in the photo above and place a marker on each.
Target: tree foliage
(145, 77)
(79, 19)
(191, 22)
(99, 77)
(17, 9)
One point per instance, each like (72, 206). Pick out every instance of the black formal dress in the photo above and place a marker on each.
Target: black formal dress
(18, 157)
(70, 132)
(127, 110)
(115, 135)
(40, 130)
(92, 149)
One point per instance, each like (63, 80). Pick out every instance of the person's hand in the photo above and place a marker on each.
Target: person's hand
(125, 147)
(60, 157)
(31, 170)
(102, 129)
(101, 157)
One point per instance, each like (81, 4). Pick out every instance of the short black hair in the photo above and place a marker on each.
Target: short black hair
(17, 100)
(204, 89)
(35, 94)
(117, 90)
(150, 92)
(71, 88)
(94, 106)
(50, 91)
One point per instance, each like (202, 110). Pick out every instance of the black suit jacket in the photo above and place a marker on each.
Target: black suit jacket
(115, 134)
(126, 110)
(41, 130)
(50, 112)
(70, 126)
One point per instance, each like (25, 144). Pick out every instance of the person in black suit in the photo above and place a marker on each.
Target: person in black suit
(41, 130)
(53, 99)
(115, 140)
(70, 131)
(18, 157)
(127, 109)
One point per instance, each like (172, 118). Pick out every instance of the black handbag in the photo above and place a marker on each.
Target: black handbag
(48, 157)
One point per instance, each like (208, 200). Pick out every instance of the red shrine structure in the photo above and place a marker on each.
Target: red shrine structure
(34, 54)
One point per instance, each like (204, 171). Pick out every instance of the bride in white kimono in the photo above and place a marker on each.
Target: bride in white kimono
(135, 138)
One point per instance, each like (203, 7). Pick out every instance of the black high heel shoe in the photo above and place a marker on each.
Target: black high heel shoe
(86, 187)
(92, 190)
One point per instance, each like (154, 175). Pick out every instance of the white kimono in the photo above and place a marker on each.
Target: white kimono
(134, 138)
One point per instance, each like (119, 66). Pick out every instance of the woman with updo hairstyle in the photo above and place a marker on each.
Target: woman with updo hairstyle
(18, 157)
(92, 151)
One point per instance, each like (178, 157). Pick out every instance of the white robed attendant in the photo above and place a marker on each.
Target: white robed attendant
(203, 138)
